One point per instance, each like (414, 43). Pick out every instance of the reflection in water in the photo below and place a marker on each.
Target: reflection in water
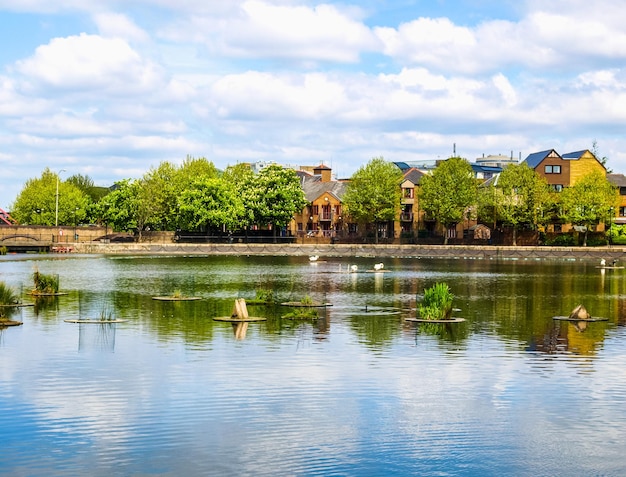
(240, 329)
(100, 336)
(171, 392)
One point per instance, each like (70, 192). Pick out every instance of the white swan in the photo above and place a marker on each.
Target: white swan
(313, 258)
(603, 262)
(353, 268)
(379, 266)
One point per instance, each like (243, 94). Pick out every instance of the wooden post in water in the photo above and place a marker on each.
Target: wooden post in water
(240, 310)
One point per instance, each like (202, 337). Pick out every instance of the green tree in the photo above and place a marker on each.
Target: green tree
(243, 180)
(521, 196)
(448, 194)
(373, 194)
(36, 203)
(589, 201)
(119, 208)
(210, 202)
(275, 197)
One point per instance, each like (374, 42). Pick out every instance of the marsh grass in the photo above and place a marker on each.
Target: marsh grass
(45, 284)
(264, 295)
(437, 302)
(302, 314)
(8, 296)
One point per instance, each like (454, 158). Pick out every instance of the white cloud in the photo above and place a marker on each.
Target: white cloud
(115, 25)
(90, 62)
(262, 29)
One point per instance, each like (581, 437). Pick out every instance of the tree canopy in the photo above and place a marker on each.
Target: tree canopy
(521, 197)
(589, 201)
(373, 193)
(36, 204)
(449, 192)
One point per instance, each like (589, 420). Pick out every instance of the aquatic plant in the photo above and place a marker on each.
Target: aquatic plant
(265, 295)
(302, 314)
(307, 300)
(45, 283)
(8, 296)
(437, 302)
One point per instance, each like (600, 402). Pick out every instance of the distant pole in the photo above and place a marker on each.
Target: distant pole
(56, 208)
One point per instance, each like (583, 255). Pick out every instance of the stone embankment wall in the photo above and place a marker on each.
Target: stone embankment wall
(363, 250)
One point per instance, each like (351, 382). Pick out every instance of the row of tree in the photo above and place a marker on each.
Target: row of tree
(197, 196)
(192, 196)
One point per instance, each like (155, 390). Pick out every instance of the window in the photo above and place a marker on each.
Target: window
(408, 193)
(622, 211)
(557, 187)
(552, 169)
(315, 210)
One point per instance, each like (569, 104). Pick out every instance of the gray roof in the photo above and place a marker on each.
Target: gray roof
(618, 180)
(534, 159)
(414, 175)
(313, 187)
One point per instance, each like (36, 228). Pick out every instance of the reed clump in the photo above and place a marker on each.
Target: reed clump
(437, 303)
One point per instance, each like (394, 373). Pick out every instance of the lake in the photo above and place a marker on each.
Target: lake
(356, 391)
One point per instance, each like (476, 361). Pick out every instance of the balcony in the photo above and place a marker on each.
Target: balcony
(406, 217)
(323, 217)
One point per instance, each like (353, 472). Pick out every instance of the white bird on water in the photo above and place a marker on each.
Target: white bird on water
(313, 258)
(379, 266)
(353, 268)
(603, 262)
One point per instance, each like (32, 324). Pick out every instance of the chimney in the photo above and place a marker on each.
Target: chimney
(323, 171)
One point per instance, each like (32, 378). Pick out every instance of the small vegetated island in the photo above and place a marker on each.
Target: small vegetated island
(436, 306)
(45, 284)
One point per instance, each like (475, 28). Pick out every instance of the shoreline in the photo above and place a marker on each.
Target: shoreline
(608, 253)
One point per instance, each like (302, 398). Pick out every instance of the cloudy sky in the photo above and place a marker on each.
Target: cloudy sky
(111, 88)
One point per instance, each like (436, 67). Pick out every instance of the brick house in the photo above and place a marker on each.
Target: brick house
(321, 219)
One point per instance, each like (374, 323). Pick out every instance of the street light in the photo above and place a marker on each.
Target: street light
(56, 209)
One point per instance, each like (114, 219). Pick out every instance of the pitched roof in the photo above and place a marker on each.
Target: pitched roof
(618, 180)
(414, 175)
(314, 188)
(534, 159)
(573, 155)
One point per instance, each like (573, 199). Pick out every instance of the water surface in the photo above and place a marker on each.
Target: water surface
(358, 391)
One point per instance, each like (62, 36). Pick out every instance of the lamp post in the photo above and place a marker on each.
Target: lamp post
(56, 208)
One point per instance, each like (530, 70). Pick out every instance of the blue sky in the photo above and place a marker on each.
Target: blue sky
(112, 88)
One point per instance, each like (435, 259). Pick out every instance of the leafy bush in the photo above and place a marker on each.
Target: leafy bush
(617, 234)
(3, 250)
(562, 240)
(45, 283)
(437, 302)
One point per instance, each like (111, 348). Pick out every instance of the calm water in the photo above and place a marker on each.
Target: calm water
(358, 391)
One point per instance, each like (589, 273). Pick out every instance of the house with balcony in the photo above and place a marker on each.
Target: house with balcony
(410, 215)
(322, 218)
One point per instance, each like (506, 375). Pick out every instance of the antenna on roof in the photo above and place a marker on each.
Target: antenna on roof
(454, 149)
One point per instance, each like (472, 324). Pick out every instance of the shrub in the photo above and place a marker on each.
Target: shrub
(437, 302)
(3, 250)
(562, 240)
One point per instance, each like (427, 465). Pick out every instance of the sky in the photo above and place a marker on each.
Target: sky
(112, 88)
